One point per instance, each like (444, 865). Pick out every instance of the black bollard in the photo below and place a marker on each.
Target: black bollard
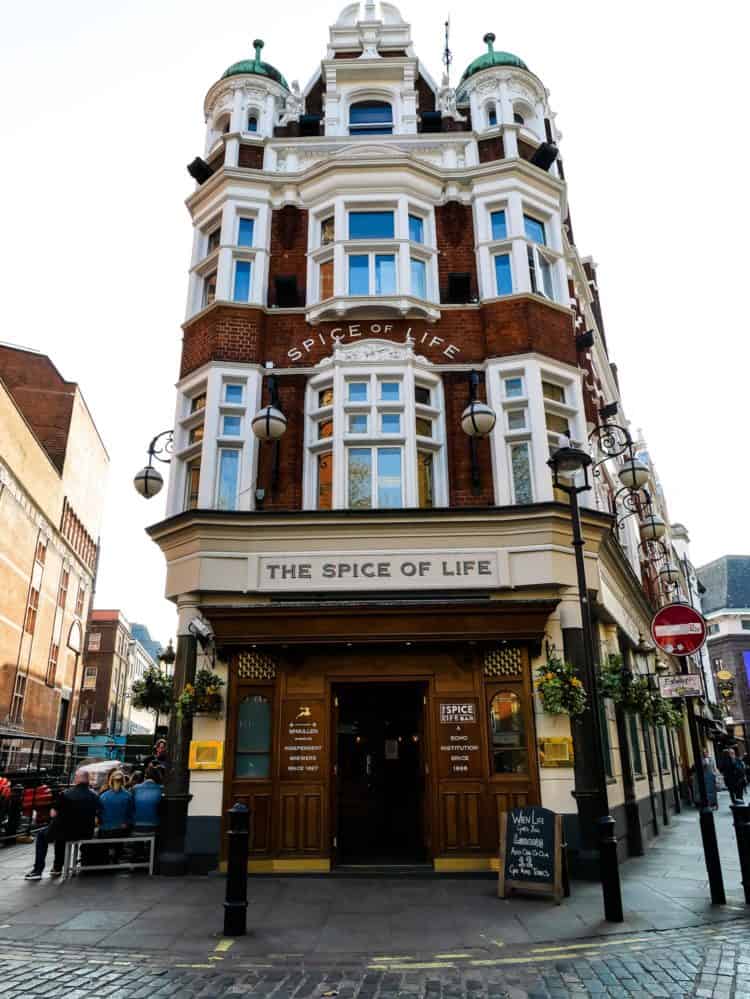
(610, 874)
(235, 903)
(741, 816)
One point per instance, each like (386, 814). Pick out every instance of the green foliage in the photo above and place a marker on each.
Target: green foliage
(203, 697)
(635, 694)
(153, 692)
(560, 689)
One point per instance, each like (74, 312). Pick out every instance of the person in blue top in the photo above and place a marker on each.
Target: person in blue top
(116, 818)
(147, 799)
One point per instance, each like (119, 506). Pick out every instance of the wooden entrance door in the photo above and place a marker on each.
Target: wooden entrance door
(379, 782)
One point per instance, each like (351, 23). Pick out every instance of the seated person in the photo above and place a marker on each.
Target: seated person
(147, 801)
(73, 817)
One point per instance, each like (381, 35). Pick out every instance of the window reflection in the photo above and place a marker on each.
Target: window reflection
(509, 754)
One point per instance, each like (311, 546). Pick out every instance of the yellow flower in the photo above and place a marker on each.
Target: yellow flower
(549, 676)
(576, 682)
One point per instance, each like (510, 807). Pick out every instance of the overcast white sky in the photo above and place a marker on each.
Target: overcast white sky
(102, 109)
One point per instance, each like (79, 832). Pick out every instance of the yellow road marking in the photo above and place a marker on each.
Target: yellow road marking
(490, 962)
(588, 946)
(214, 958)
(446, 956)
(224, 945)
(193, 966)
(425, 966)
(397, 957)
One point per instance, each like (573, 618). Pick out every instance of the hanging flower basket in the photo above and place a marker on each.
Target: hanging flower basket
(634, 694)
(153, 692)
(202, 697)
(560, 689)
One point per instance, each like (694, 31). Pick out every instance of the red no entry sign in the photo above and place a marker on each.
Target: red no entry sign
(678, 629)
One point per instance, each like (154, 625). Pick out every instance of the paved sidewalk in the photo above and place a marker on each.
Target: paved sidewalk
(316, 918)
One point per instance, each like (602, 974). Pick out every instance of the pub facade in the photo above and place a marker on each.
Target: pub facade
(389, 329)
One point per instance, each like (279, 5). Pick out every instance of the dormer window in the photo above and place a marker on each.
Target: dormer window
(518, 118)
(252, 123)
(223, 124)
(491, 115)
(371, 118)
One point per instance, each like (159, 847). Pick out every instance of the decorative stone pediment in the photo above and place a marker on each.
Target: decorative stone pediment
(371, 351)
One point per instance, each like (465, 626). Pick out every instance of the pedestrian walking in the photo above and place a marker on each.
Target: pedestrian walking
(734, 775)
(73, 817)
(135, 778)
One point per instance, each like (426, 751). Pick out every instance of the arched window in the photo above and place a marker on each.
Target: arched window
(375, 439)
(518, 118)
(507, 734)
(491, 115)
(252, 122)
(371, 118)
(223, 124)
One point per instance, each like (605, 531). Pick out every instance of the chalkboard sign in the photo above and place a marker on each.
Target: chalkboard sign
(530, 852)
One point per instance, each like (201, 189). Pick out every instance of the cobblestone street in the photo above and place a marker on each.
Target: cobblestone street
(393, 938)
(703, 961)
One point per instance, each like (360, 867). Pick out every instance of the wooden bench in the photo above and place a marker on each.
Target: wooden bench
(72, 860)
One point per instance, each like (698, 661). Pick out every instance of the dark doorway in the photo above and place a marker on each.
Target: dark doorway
(380, 785)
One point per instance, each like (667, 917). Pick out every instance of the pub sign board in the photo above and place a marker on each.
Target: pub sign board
(530, 852)
(460, 742)
(302, 732)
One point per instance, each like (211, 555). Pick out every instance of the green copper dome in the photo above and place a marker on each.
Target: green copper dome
(256, 66)
(491, 58)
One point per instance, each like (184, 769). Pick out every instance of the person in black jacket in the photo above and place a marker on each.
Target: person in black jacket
(734, 775)
(73, 817)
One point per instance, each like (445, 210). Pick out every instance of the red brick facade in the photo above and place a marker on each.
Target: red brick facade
(454, 228)
(518, 325)
(288, 250)
(42, 395)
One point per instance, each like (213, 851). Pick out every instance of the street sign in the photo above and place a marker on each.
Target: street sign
(678, 629)
(681, 686)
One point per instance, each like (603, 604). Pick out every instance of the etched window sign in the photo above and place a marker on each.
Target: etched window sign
(459, 740)
(302, 740)
(530, 852)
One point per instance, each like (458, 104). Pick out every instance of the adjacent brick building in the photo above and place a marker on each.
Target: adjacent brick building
(53, 472)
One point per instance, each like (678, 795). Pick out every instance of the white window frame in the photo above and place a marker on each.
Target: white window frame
(400, 246)
(410, 372)
(212, 379)
(533, 369)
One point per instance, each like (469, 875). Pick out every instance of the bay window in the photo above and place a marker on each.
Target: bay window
(375, 439)
(539, 406)
(365, 250)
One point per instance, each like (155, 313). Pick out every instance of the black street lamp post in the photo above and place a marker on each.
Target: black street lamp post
(592, 801)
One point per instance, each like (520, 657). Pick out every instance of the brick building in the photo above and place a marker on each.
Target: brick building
(116, 655)
(53, 471)
(370, 255)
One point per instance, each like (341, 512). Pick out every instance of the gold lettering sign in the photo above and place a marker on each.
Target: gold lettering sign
(302, 733)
